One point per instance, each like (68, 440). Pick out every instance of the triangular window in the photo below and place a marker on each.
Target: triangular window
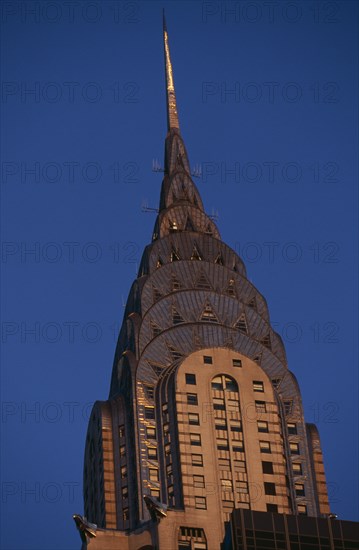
(241, 324)
(266, 341)
(175, 354)
(202, 283)
(176, 285)
(176, 317)
(173, 226)
(189, 225)
(276, 382)
(231, 289)
(208, 315)
(253, 303)
(156, 330)
(157, 369)
(258, 358)
(219, 260)
(174, 255)
(195, 254)
(159, 262)
(156, 294)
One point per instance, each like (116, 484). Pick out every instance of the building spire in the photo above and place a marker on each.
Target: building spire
(172, 115)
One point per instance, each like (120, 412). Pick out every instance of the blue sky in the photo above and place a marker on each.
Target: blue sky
(267, 99)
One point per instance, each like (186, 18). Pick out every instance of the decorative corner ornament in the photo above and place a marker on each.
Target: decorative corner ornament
(86, 529)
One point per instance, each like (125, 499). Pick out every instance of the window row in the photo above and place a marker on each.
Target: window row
(260, 406)
(223, 382)
(208, 360)
(223, 445)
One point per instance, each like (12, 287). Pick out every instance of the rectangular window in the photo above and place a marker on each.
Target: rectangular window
(153, 474)
(200, 503)
(236, 426)
(258, 386)
(190, 379)
(124, 492)
(288, 405)
(218, 404)
(272, 508)
(155, 492)
(302, 509)
(125, 514)
(269, 488)
(242, 487)
(198, 481)
(152, 453)
(121, 431)
(262, 426)
(237, 362)
(150, 413)
(151, 432)
(265, 447)
(294, 448)
(222, 444)
(267, 467)
(197, 460)
(227, 485)
(207, 360)
(299, 489)
(193, 419)
(238, 448)
(292, 428)
(297, 468)
(233, 405)
(166, 429)
(168, 449)
(240, 466)
(150, 390)
(122, 451)
(220, 424)
(195, 439)
(192, 399)
(123, 472)
(260, 406)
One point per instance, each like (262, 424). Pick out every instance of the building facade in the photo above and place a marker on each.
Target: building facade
(203, 415)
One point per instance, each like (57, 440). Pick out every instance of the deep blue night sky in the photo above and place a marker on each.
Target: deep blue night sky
(279, 164)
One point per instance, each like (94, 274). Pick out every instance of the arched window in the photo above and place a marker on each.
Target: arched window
(223, 382)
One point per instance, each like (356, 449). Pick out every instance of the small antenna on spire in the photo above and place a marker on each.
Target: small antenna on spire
(214, 216)
(145, 208)
(156, 166)
(197, 171)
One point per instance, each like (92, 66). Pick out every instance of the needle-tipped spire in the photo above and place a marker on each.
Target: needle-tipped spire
(172, 115)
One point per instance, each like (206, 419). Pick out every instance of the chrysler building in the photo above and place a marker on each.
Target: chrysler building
(204, 416)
